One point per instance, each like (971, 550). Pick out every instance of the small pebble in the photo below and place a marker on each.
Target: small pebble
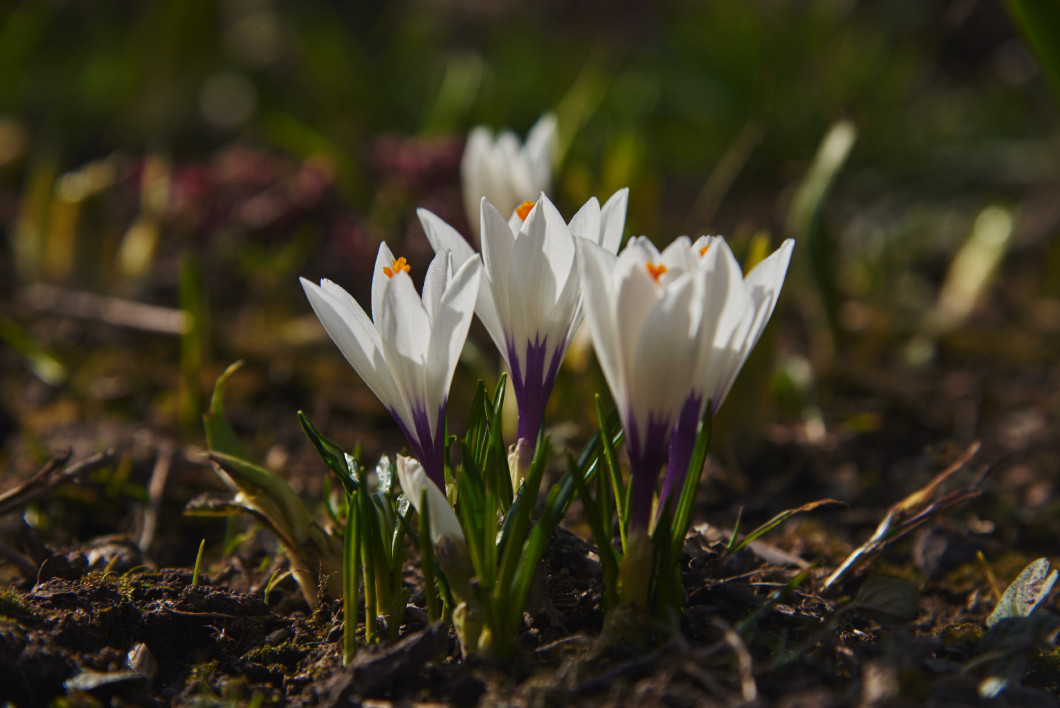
(279, 636)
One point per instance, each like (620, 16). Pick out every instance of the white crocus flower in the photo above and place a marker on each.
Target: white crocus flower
(645, 322)
(407, 352)
(739, 310)
(530, 302)
(504, 170)
(444, 522)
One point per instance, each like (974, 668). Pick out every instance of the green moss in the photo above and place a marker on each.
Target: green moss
(78, 699)
(902, 571)
(320, 621)
(11, 605)
(286, 653)
(214, 689)
(1045, 666)
(966, 633)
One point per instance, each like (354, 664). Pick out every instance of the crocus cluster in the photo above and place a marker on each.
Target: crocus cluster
(671, 328)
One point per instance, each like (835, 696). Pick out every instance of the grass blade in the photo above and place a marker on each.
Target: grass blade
(198, 563)
(777, 521)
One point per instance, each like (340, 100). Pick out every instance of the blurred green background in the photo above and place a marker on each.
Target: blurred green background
(197, 156)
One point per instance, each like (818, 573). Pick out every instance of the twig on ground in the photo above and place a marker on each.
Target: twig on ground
(53, 474)
(25, 565)
(109, 310)
(155, 490)
(908, 514)
(748, 688)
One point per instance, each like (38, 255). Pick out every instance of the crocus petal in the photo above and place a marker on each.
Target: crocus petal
(667, 350)
(678, 256)
(762, 286)
(449, 328)
(726, 308)
(586, 223)
(355, 335)
(613, 220)
(538, 150)
(635, 296)
(444, 237)
(596, 265)
(498, 241)
(383, 259)
(434, 283)
(473, 166)
(540, 299)
(766, 279)
(405, 332)
(602, 226)
(726, 286)
(413, 479)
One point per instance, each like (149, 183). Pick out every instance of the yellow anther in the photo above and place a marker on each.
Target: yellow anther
(655, 270)
(524, 209)
(703, 251)
(396, 266)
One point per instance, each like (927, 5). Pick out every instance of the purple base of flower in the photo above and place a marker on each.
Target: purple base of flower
(533, 386)
(682, 443)
(428, 449)
(646, 453)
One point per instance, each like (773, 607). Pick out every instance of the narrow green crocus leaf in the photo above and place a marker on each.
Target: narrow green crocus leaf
(307, 545)
(600, 525)
(42, 362)
(1039, 21)
(368, 566)
(427, 559)
(351, 570)
(512, 534)
(332, 455)
(219, 434)
(686, 499)
(613, 470)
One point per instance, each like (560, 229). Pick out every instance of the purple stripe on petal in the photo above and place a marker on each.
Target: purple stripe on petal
(534, 386)
(428, 449)
(682, 443)
(646, 453)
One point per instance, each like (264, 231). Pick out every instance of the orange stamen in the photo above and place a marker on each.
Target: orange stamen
(397, 266)
(703, 251)
(524, 210)
(655, 270)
